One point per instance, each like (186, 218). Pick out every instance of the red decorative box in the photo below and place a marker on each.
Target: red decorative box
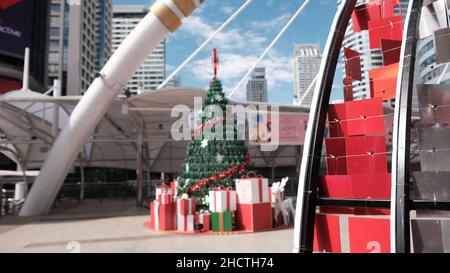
(363, 14)
(254, 217)
(162, 217)
(186, 206)
(390, 28)
(356, 155)
(204, 219)
(352, 64)
(383, 82)
(327, 235)
(391, 51)
(369, 235)
(356, 118)
(358, 186)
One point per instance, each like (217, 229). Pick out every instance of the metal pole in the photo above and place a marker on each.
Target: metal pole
(26, 70)
(139, 173)
(56, 94)
(82, 182)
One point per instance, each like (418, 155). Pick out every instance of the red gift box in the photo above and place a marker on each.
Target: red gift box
(254, 217)
(383, 81)
(388, 8)
(356, 118)
(356, 155)
(174, 187)
(336, 186)
(390, 28)
(376, 186)
(162, 217)
(327, 235)
(391, 51)
(186, 206)
(165, 198)
(363, 14)
(204, 219)
(369, 235)
(352, 64)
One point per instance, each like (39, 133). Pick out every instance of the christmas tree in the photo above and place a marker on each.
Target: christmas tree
(214, 161)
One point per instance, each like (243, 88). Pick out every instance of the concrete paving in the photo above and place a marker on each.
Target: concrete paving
(118, 226)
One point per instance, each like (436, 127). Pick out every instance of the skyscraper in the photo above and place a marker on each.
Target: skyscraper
(152, 73)
(89, 42)
(307, 61)
(370, 58)
(257, 86)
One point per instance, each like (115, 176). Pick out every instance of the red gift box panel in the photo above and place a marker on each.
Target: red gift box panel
(352, 64)
(357, 186)
(369, 235)
(390, 28)
(383, 81)
(162, 217)
(356, 155)
(391, 51)
(327, 235)
(356, 118)
(348, 89)
(363, 14)
(254, 217)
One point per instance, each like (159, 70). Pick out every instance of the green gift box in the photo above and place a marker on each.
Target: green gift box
(222, 221)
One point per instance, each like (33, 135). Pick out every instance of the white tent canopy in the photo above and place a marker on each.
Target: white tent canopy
(26, 131)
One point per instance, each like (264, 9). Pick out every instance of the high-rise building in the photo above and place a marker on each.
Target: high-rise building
(23, 24)
(307, 61)
(89, 42)
(58, 42)
(257, 86)
(370, 58)
(153, 71)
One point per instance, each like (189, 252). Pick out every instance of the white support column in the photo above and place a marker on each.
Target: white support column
(56, 93)
(98, 98)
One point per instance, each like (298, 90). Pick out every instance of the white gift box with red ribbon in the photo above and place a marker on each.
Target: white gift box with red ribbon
(164, 194)
(185, 223)
(252, 190)
(222, 200)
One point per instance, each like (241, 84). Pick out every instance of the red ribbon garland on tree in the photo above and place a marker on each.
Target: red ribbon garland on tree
(202, 183)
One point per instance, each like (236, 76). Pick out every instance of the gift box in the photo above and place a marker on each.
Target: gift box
(383, 81)
(162, 216)
(174, 187)
(348, 89)
(369, 235)
(254, 217)
(357, 186)
(222, 221)
(185, 223)
(204, 219)
(391, 51)
(356, 155)
(356, 118)
(327, 234)
(186, 206)
(390, 28)
(221, 200)
(252, 190)
(162, 193)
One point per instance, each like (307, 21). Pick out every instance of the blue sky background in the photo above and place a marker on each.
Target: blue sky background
(241, 43)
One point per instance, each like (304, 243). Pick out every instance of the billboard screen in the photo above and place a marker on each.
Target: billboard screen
(15, 26)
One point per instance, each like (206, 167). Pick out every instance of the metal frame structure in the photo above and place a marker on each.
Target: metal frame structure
(400, 219)
(307, 186)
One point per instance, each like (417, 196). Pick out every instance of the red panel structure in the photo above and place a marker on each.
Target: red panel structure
(352, 64)
(336, 186)
(368, 235)
(387, 28)
(356, 118)
(356, 155)
(383, 81)
(363, 14)
(4, 4)
(357, 186)
(391, 51)
(327, 234)
(388, 7)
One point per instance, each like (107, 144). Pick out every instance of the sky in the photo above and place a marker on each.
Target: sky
(242, 42)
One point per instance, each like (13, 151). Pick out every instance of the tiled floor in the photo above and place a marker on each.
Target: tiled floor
(117, 226)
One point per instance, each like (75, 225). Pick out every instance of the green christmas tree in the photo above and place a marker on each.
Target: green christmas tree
(214, 161)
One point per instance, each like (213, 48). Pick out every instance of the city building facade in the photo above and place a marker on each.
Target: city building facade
(257, 86)
(153, 71)
(307, 61)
